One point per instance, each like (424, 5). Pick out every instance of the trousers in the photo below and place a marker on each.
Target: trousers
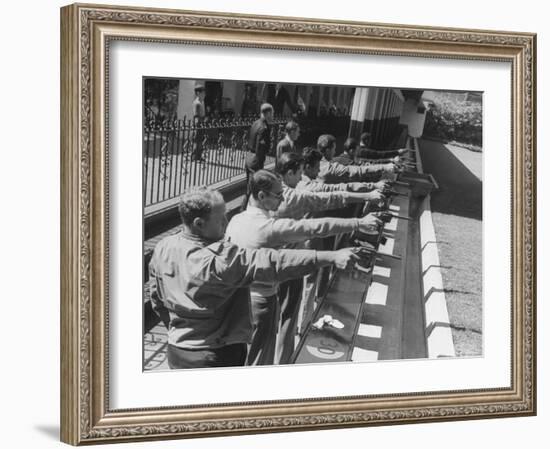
(230, 355)
(265, 321)
(290, 296)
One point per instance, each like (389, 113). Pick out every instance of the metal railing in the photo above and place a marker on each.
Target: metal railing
(180, 154)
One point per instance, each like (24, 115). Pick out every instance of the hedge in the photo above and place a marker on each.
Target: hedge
(455, 121)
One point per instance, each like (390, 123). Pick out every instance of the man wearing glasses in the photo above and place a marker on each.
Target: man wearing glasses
(256, 228)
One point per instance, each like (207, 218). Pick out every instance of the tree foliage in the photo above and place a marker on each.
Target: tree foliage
(454, 117)
(161, 99)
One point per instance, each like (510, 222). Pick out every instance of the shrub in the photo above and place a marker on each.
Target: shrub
(452, 118)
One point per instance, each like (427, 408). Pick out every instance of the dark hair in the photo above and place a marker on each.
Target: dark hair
(365, 137)
(291, 126)
(311, 156)
(261, 180)
(350, 144)
(324, 142)
(197, 202)
(289, 161)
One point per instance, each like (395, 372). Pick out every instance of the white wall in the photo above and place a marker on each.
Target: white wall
(413, 119)
(186, 96)
(29, 386)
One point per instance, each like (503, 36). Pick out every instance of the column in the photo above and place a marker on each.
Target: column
(186, 95)
(358, 111)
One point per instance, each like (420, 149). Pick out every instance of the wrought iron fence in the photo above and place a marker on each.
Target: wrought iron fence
(180, 154)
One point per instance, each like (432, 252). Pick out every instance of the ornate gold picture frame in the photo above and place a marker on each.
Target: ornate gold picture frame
(87, 31)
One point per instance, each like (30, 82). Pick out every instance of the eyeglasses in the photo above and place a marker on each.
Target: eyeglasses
(278, 196)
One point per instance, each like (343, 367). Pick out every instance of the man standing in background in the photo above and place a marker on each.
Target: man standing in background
(278, 96)
(259, 140)
(199, 113)
(288, 143)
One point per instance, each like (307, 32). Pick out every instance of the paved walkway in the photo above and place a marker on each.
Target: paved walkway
(472, 160)
(154, 348)
(458, 175)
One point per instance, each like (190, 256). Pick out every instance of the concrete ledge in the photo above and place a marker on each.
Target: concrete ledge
(438, 333)
(169, 205)
(158, 217)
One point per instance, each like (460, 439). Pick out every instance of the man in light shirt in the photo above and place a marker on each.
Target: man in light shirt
(310, 181)
(333, 172)
(256, 228)
(298, 203)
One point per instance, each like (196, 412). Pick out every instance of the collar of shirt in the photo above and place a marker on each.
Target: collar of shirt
(306, 178)
(326, 163)
(256, 211)
(288, 196)
(291, 206)
(185, 234)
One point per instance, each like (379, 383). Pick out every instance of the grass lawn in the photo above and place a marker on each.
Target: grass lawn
(457, 215)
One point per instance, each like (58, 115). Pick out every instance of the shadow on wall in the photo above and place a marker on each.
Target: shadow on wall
(50, 431)
(460, 192)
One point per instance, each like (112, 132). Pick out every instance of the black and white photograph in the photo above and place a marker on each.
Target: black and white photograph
(266, 225)
(307, 223)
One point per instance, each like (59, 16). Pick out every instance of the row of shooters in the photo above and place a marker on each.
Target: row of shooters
(230, 293)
